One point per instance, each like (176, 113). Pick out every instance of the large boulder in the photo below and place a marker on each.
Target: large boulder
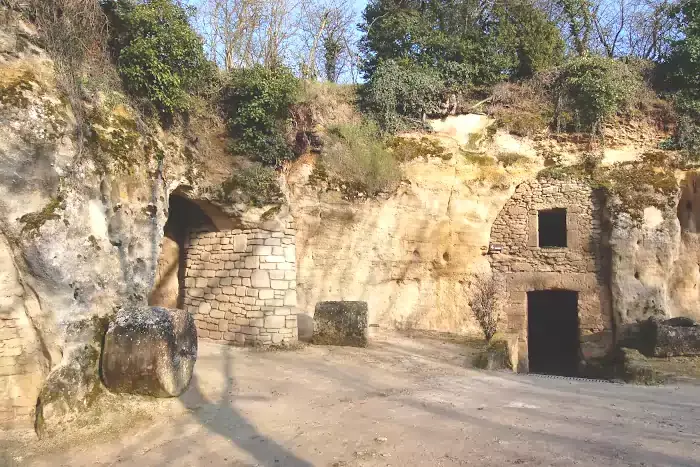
(150, 351)
(676, 337)
(340, 323)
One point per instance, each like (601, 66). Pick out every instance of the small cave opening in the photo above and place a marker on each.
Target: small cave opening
(553, 332)
(184, 215)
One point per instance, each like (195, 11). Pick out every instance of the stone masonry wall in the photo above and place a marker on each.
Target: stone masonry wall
(583, 266)
(22, 365)
(240, 285)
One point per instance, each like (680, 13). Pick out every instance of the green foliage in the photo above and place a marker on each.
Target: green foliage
(533, 41)
(407, 149)
(684, 65)
(256, 102)
(159, 55)
(399, 94)
(478, 159)
(592, 89)
(356, 158)
(443, 35)
(509, 159)
(255, 185)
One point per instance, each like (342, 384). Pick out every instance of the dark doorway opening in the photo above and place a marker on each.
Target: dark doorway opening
(553, 332)
(551, 227)
(183, 216)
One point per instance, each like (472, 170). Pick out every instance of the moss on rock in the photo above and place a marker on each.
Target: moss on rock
(33, 221)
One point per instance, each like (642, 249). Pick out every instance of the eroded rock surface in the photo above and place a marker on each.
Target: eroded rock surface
(150, 351)
(341, 323)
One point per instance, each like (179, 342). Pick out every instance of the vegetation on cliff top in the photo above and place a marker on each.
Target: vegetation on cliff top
(572, 66)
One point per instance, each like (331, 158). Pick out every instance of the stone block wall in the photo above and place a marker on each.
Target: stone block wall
(240, 285)
(22, 364)
(582, 266)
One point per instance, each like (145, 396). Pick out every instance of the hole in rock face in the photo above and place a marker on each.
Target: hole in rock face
(553, 332)
(183, 216)
(552, 228)
(416, 254)
(446, 256)
(636, 275)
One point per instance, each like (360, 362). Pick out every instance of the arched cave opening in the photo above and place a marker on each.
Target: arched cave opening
(184, 216)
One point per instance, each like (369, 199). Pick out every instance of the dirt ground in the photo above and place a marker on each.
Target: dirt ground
(403, 401)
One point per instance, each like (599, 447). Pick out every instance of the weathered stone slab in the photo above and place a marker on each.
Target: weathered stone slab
(677, 341)
(151, 351)
(341, 323)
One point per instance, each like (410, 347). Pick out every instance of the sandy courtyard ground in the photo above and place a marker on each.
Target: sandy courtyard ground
(401, 402)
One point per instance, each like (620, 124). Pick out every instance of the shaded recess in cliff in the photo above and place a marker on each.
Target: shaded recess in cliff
(183, 215)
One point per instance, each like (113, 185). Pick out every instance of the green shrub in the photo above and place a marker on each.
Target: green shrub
(407, 149)
(512, 158)
(356, 156)
(159, 56)
(522, 109)
(400, 94)
(256, 102)
(590, 90)
(478, 159)
(687, 135)
(255, 185)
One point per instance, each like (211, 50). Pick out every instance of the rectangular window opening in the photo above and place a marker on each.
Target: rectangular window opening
(552, 228)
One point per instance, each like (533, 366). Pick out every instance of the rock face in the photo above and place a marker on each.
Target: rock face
(341, 323)
(408, 255)
(150, 351)
(74, 385)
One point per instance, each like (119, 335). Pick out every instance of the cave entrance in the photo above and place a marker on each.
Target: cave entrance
(553, 332)
(183, 216)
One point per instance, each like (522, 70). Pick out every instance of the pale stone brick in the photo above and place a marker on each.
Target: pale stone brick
(274, 322)
(277, 250)
(225, 281)
(201, 282)
(240, 243)
(279, 285)
(260, 279)
(290, 299)
(264, 294)
(273, 242)
(245, 273)
(254, 314)
(217, 314)
(277, 339)
(262, 250)
(276, 274)
(229, 290)
(247, 282)
(251, 292)
(268, 266)
(290, 275)
(256, 322)
(204, 308)
(240, 291)
(285, 266)
(282, 311)
(252, 262)
(274, 259)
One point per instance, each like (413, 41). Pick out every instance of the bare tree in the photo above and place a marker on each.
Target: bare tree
(638, 28)
(327, 37)
(484, 304)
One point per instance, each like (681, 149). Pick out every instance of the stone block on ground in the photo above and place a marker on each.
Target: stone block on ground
(150, 351)
(341, 323)
(680, 338)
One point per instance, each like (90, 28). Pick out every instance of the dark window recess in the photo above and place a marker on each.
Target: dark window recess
(552, 228)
